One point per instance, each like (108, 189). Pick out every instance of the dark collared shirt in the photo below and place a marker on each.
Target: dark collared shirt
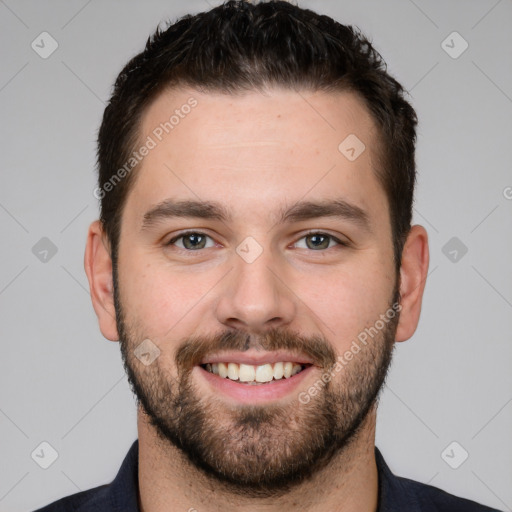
(396, 494)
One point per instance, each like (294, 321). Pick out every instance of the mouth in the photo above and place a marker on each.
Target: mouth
(255, 375)
(255, 378)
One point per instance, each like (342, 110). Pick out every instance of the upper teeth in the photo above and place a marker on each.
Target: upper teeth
(249, 373)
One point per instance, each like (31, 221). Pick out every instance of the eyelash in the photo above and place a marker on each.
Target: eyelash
(184, 234)
(332, 237)
(309, 233)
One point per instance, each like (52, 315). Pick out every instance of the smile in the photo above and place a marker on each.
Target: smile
(255, 374)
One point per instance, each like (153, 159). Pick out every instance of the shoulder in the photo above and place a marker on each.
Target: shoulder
(94, 498)
(120, 494)
(430, 498)
(399, 494)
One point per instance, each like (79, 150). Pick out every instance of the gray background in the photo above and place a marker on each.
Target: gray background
(63, 383)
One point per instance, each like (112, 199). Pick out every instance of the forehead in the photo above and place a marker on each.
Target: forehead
(255, 149)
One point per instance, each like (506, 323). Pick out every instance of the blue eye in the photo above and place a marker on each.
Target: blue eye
(192, 241)
(319, 241)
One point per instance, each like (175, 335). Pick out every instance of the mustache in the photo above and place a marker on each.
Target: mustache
(193, 350)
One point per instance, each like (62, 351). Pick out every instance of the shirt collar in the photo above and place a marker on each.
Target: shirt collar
(394, 495)
(122, 495)
(123, 492)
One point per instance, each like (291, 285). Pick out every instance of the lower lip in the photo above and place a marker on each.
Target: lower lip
(247, 393)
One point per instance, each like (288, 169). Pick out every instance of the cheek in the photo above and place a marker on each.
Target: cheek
(164, 301)
(348, 298)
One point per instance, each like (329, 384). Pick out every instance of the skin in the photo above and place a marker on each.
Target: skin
(256, 154)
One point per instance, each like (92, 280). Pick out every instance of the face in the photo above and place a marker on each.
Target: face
(253, 254)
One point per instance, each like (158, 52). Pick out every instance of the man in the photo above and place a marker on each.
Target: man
(256, 260)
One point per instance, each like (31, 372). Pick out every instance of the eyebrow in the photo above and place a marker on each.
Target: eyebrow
(339, 208)
(194, 209)
(301, 211)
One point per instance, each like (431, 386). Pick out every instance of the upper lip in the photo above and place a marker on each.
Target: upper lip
(256, 358)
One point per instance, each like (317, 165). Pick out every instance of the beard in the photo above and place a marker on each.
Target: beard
(256, 450)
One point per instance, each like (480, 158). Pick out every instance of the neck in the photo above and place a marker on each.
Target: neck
(168, 482)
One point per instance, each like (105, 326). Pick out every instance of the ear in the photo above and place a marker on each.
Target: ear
(98, 267)
(413, 274)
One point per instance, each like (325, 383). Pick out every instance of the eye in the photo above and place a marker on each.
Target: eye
(318, 241)
(192, 241)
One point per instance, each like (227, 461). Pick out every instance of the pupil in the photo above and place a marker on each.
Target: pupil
(193, 241)
(318, 241)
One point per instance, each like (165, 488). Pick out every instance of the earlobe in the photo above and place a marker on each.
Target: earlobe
(413, 274)
(98, 267)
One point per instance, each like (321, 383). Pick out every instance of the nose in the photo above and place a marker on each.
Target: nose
(255, 296)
